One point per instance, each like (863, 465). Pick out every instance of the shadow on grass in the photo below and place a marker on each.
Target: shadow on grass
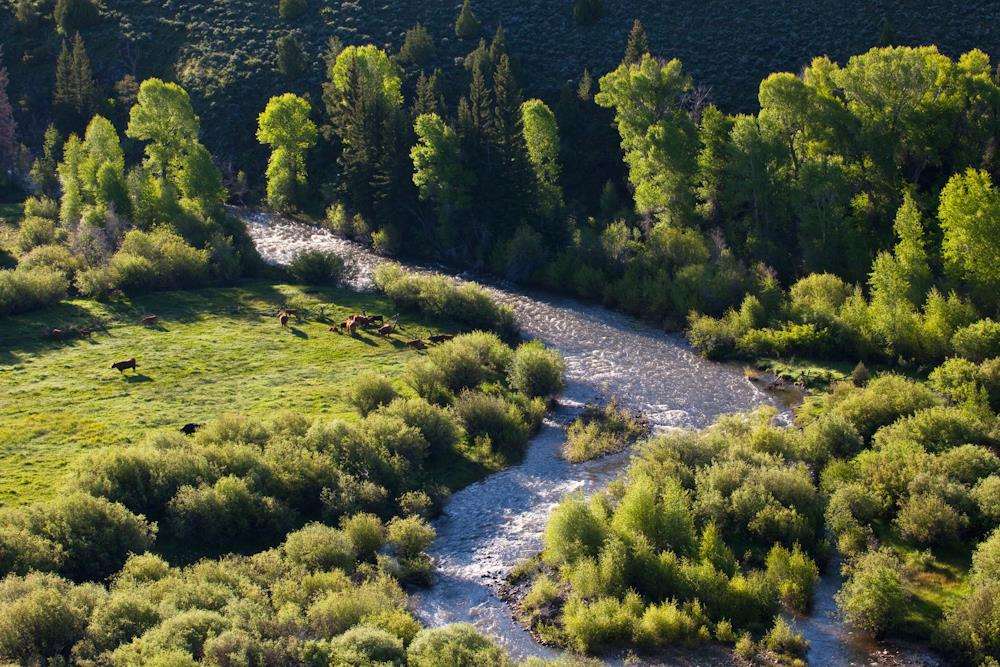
(25, 334)
(137, 378)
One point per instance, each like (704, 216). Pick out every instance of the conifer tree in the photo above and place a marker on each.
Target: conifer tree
(467, 25)
(8, 130)
(637, 45)
(75, 93)
(429, 98)
(43, 170)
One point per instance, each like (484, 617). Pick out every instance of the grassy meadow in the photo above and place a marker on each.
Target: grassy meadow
(213, 351)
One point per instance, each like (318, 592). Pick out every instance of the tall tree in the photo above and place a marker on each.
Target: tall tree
(164, 117)
(75, 95)
(541, 136)
(467, 26)
(970, 219)
(429, 98)
(8, 129)
(286, 127)
(43, 170)
(637, 45)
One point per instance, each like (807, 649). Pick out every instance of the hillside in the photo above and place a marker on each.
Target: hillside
(223, 51)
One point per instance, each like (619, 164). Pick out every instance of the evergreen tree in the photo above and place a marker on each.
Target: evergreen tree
(467, 26)
(585, 89)
(8, 130)
(291, 61)
(71, 15)
(43, 170)
(75, 92)
(418, 46)
(429, 99)
(637, 45)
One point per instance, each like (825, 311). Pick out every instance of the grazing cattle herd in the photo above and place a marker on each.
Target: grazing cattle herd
(350, 326)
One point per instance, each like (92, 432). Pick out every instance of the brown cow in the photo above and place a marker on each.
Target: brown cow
(376, 319)
(190, 428)
(283, 318)
(149, 320)
(122, 366)
(386, 329)
(440, 338)
(416, 344)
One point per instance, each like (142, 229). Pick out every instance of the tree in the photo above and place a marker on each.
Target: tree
(75, 91)
(429, 98)
(438, 172)
(285, 126)
(8, 130)
(71, 15)
(658, 136)
(541, 136)
(289, 10)
(418, 46)
(43, 170)
(637, 45)
(467, 25)
(364, 101)
(588, 12)
(291, 61)
(164, 117)
(970, 220)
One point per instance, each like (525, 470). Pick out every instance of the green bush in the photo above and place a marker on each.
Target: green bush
(494, 418)
(456, 645)
(471, 359)
(986, 560)
(602, 430)
(979, 341)
(291, 9)
(969, 629)
(884, 400)
(783, 640)
(96, 282)
(22, 290)
(604, 622)
(56, 257)
(224, 514)
(319, 548)
(370, 391)
(366, 533)
(34, 232)
(873, 598)
(665, 625)
(573, 532)
(712, 338)
(317, 267)
(537, 371)
(438, 426)
(937, 429)
(22, 551)
(41, 617)
(987, 497)
(818, 297)
(409, 536)
(365, 645)
(95, 536)
(418, 46)
(794, 575)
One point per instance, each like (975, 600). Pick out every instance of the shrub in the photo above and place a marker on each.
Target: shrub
(95, 535)
(366, 533)
(794, 575)
(937, 429)
(339, 610)
(471, 359)
(662, 516)
(370, 391)
(987, 497)
(34, 232)
(782, 639)
(986, 560)
(883, 401)
(959, 380)
(320, 548)
(410, 536)
(572, 532)
(41, 207)
(979, 341)
(291, 9)
(225, 514)
(455, 645)
(604, 622)
(600, 431)
(537, 371)
(317, 267)
(873, 598)
(95, 283)
(365, 645)
(494, 418)
(665, 625)
(818, 297)
(438, 426)
(969, 629)
(22, 290)
(39, 622)
(712, 338)
(22, 551)
(56, 257)
(119, 618)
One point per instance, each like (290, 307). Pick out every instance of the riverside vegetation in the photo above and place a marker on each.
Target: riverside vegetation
(852, 216)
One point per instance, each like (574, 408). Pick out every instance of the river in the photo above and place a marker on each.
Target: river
(489, 526)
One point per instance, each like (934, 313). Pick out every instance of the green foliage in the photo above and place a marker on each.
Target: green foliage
(602, 430)
(370, 391)
(783, 640)
(289, 10)
(317, 267)
(979, 341)
(536, 371)
(418, 46)
(71, 15)
(588, 12)
(22, 290)
(454, 645)
(285, 126)
(970, 208)
(541, 137)
(497, 420)
(291, 60)
(467, 26)
(874, 599)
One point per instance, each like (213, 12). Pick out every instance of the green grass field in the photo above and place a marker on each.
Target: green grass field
(214, 351)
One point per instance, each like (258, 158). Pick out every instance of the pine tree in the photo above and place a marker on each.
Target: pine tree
(585, 90)
(8, 130)
(467, 25)
(291, 61)
(43, 170)
(429, 98)
(637, 45)
(75, 92)
(516, 182)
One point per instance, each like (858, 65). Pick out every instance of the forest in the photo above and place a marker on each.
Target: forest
(848, 217)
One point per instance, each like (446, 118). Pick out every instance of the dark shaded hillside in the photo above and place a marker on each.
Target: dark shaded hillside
(223, 51)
